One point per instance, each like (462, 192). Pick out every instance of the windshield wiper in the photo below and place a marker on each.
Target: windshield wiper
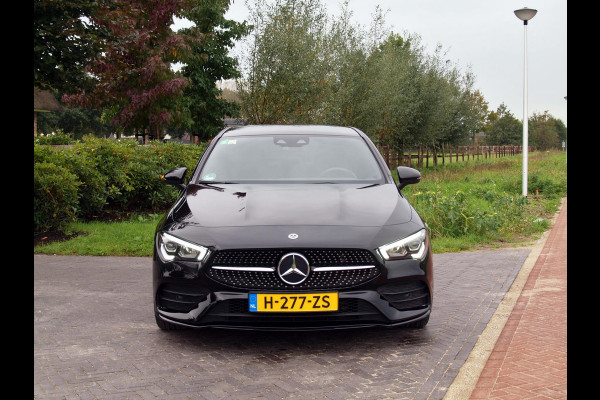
(368, 186)
(215, 182)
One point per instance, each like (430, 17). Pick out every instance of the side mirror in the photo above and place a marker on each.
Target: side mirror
(407, 176)
(176, 177)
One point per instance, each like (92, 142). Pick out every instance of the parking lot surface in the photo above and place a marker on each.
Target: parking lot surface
(95, 338)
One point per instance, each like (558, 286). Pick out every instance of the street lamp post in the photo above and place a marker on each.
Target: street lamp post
(525, 14)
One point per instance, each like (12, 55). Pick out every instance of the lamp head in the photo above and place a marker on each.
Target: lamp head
(525, 14)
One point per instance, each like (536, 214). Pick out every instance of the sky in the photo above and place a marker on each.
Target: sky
(485, 37)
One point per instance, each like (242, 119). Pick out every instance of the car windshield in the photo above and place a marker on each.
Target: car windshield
(291, 158)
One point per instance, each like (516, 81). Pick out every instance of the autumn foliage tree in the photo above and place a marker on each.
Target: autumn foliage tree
(133, 76)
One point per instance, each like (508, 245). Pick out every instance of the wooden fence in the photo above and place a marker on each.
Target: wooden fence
(421, 158)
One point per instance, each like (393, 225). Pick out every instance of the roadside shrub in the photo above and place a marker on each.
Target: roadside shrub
(93, 192)
(147, 167)
(113, 175)
(550, 188)
(55, 196)
(111, 159)
(58, 138)
(452, 215)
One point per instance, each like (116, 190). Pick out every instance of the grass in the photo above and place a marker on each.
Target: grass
(479, 204)
(132, 238)
(467, 205)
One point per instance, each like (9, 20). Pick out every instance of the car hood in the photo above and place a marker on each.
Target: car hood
(283, 205)
(264, 215)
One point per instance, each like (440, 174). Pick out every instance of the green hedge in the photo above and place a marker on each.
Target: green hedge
(55, 196)
(99, 174)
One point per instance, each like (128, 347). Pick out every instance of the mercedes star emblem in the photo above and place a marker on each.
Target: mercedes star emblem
(293, 268)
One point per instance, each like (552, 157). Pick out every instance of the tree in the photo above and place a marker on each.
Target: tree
(395, 82)
(348, 57)
(300, 68)
(75, 121)
(66, 37)
(502, 128)
(543, 132)
(478, 111)
(208, 62)
(288, 72)
(133, 78)
(561, 129)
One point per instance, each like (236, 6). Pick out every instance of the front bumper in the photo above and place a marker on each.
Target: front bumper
(357, 309)
(400, 295)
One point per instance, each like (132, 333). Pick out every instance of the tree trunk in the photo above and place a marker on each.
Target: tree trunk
(443, 155)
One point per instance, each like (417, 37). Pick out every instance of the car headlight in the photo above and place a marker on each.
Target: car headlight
(413, 246)
(171, 248)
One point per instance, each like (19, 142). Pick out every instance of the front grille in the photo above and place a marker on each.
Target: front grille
(406, 295)
(271, 257)
(265, 262)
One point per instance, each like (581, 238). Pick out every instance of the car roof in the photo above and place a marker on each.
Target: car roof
(252, 130)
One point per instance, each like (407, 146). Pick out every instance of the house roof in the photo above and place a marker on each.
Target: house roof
(43, 100)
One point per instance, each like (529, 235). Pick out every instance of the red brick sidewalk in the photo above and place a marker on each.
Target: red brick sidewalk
(529, 359)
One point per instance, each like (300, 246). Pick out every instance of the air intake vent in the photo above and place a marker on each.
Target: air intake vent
(404, 296)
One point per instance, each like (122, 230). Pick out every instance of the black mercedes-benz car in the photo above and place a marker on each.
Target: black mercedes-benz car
(291, 227)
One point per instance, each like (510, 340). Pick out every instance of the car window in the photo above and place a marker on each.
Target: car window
(291, 158)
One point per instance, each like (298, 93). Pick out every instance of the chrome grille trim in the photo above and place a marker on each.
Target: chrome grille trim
(342, 268)
(250, 269)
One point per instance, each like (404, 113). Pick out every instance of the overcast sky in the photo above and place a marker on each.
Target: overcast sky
(485, 36)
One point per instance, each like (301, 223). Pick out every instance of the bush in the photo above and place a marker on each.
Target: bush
(93, 193)
(147, 167)
(452, 215)
(112, 175)
(58, 138)
(546, 186)
(55, 196)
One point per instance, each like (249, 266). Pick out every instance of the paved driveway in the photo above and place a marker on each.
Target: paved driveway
(95, 338)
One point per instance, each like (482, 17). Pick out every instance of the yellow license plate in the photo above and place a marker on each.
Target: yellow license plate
(297, 302)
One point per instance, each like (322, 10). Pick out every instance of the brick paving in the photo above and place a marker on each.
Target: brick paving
(95, 338)
(529, 359)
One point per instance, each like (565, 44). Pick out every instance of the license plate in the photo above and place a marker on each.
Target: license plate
(298, 302)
